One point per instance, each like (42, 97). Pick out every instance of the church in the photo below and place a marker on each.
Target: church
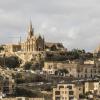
(34, 43)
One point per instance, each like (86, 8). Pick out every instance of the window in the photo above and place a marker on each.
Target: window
(5, 89)
(19, 99)
(70, 87)
(71, 98)
(50, 66)
(65, 92)
(95, 71)
(85, 75)
(62, 92)
(98, 71)
(62, 98)
(78, 76)
(85, 70)
(71, 92)
(91, 75)
(79, 88)
(57, 92)
(61, 87)
(91, 70)
(57, 98)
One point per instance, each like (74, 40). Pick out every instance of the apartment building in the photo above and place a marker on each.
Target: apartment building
(66, 91)
(74, 69)
(73, 91)
(51, 67)
(87, 71)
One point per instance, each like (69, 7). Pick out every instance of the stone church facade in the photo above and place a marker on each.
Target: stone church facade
(33, 43)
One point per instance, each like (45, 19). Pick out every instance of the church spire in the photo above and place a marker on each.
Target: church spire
(30, 31)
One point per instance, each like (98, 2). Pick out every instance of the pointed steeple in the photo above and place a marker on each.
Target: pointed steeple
(31, 30)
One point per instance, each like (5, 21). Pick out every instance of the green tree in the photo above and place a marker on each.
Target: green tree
(1, 48)
(61, 72)
(10, 62)
(27, 65)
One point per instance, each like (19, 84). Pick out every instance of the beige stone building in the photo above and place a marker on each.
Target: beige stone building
(72, 91)
(52, 66)
(87, 71)
(92, 86)
(97, 50)
(66, 91)
(74, 69)
(12, 48)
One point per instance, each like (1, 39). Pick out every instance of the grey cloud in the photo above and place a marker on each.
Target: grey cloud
(76, 23)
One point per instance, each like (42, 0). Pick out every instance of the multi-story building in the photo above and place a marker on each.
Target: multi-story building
(7, 85)
(74, 91)
(12, 48)
(87, 71)
(52, 66)
(66, 91)
(74, 69)
(91, 86)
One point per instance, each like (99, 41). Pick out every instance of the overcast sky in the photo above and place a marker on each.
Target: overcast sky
(75, 23)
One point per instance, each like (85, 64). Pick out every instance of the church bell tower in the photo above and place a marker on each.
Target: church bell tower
(30, 30)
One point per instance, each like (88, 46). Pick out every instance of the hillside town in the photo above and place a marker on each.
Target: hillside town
(36, 69)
